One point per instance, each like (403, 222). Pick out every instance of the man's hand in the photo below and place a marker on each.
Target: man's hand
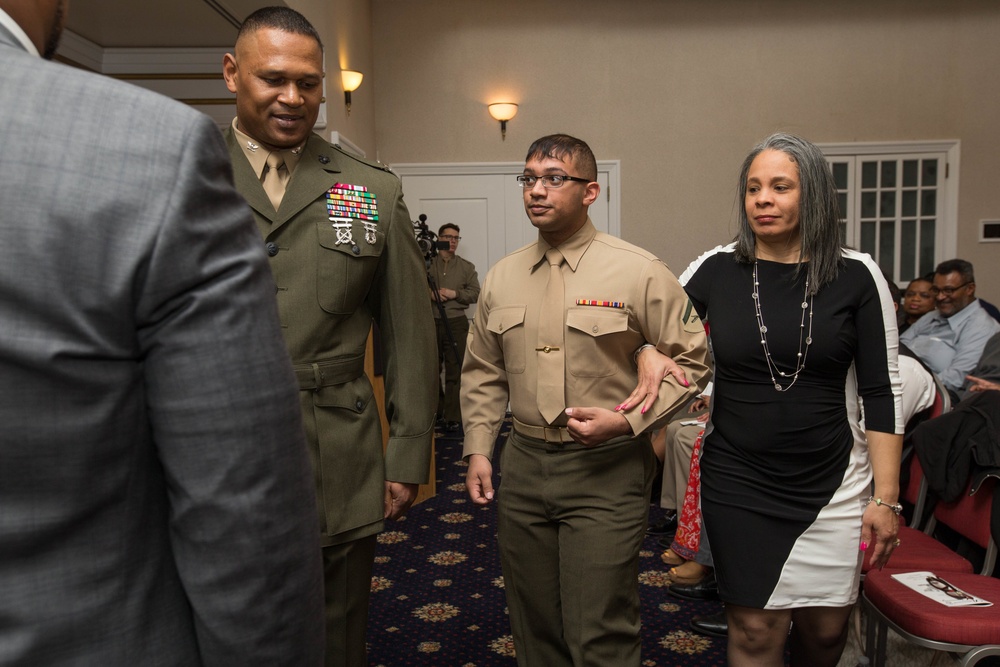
(593, 426)
(654, 367)
(398, 498)
(698, 404)
(979, 384)
(447, 294)
(479, 479)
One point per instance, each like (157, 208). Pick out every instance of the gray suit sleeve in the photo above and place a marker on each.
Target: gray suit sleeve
(225, 419)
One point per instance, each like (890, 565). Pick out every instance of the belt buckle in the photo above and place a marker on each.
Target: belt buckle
(552, 434)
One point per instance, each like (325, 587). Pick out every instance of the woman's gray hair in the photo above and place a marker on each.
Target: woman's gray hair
(819, 216)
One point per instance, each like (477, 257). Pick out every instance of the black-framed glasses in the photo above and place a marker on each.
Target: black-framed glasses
(548, 180)
(946, 588)
(949, 291)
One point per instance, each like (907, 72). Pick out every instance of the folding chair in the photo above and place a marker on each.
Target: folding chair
(914, 493)
(971, 633)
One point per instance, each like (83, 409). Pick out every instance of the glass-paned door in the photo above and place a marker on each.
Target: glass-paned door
(891, 207)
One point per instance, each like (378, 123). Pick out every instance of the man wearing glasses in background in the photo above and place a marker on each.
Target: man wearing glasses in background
(455, 286)
(951, 338)
(557, 325)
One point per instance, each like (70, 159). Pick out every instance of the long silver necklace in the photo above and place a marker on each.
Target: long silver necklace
(805, 337)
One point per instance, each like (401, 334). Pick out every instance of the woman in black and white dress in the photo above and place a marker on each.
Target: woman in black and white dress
(801, 329)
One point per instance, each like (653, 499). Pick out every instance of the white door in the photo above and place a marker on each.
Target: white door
(486, 202)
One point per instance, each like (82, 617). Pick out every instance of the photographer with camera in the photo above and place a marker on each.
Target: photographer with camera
(454, 286)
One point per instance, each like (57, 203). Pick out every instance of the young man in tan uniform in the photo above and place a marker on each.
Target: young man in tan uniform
(558, 323)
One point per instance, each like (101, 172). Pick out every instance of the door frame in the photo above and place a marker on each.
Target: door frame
(611, 167)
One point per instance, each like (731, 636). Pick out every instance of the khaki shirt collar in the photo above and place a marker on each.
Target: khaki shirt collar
(572, 248)
(257, 155)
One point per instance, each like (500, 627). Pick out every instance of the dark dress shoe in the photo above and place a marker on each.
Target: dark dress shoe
(668, 525)
(706, 589)
(714, 625)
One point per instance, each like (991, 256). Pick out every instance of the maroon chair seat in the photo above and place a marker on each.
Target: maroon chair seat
(972, 631)
(919, 551)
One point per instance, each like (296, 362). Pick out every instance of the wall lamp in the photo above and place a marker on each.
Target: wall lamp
(351, 80)
(503, 111)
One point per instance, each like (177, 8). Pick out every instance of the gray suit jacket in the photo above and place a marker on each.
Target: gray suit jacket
(156, 503)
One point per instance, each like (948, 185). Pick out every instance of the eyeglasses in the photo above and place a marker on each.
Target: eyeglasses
(549, 181)
(450, 238)
(946, 588)
(949, 291)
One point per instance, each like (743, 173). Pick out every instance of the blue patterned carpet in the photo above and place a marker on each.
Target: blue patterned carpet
(438, 599)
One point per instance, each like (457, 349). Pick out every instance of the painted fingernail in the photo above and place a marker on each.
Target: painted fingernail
(618, 407)
(864, 546)
(644, 409)
(686, 383)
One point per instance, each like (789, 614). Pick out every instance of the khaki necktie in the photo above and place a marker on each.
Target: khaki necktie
(550, 352)
(275, 179)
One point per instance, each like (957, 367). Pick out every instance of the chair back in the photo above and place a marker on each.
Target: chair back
(969, 516)
(915, 491)
(942, 399)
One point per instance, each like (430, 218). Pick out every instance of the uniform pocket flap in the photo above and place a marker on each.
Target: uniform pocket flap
(354, 395)
(597, 321)
(505, 318)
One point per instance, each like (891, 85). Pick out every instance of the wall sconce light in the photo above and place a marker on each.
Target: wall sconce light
(503, 111)
(351, 80)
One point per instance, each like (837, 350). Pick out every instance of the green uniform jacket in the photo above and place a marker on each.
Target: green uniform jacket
(329, 291)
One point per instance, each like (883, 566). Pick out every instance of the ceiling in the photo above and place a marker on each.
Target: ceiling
(160, 23)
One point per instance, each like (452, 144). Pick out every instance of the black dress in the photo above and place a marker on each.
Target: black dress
(785, 474)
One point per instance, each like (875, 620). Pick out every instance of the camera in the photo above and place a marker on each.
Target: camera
(426, 239)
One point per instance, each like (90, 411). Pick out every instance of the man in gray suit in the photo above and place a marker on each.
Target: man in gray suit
(156, 502)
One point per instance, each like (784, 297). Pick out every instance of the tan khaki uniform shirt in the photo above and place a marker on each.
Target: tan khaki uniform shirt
(460, 275)
(600, 340)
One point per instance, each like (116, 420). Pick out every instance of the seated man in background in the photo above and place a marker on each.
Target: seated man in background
(951, 338)
(986, 375)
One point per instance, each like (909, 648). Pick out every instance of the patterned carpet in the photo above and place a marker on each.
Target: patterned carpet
(438, 599)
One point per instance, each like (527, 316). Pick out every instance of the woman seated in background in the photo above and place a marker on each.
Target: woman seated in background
(917, 301)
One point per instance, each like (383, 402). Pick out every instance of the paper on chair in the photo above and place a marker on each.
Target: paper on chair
(939, 590)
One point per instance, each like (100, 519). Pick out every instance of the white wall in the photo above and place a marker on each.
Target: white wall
(679, 90)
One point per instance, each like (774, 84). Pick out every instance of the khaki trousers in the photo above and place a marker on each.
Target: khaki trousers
(677, 461)
(347, 580)
(571, 521)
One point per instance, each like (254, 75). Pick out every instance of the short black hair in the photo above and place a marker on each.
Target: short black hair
(956, 265)
(563, 146)
(279, 18)
(449, 225)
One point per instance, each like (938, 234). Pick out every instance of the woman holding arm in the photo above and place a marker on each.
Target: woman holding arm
(801, 330)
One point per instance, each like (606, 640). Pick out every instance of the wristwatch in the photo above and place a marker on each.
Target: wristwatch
(897, 508)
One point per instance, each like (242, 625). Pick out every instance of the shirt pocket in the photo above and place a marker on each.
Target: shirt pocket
(594, 341)
(346, 265)
(507, 323)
